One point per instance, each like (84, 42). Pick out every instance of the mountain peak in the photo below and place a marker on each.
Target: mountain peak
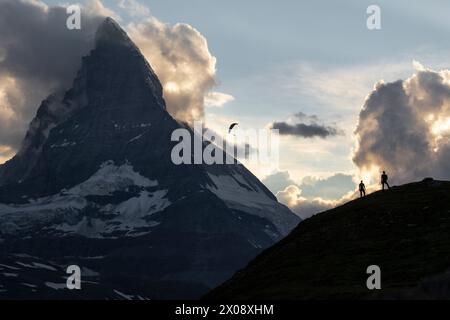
(114, 83)
(110, 32)
(97, 173)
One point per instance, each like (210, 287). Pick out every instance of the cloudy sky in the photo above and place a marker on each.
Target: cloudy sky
(347, 101)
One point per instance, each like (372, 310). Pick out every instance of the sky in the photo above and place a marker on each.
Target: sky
(307, 68)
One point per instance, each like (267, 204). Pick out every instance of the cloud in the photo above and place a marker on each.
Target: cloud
(217, 99)
(303, 207)
(309, 127)
(312, 195)
(96, 8)
(333, 187)
(133, 7)
(404, 128)
(5, 153)
(304, 130)
(278, 181)
(181, 59)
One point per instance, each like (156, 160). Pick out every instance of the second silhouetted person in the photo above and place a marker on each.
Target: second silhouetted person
(384, 180)
(362, 189)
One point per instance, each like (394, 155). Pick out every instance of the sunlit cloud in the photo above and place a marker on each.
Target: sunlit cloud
(180, 56)
(312, 194)
(97, 8)
(217, 99)
(133, 7)
(404, 128)
(303, 207)
(5, 153)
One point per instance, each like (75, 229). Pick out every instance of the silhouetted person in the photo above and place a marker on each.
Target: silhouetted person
(362, 189)
(384, 180)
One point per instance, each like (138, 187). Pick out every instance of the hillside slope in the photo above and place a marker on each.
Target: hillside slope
(405, 231)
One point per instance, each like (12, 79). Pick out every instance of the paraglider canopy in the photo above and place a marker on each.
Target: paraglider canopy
(232, 126)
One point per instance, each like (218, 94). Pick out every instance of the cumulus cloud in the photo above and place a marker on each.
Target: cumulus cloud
(217, 99)
(303, 207)
(97, 8)
(333, 187)
(306, 127)
(40, 56)
(312, 195)
(133, 8)
(181, 59)
(404, 128)
(278, 181)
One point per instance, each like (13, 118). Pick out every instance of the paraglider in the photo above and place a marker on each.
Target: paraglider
(231, 127)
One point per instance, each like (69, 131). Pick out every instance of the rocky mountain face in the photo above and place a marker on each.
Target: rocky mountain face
(94, 185)
(403, 231)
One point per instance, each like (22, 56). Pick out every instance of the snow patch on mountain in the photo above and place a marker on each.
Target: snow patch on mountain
(240, 195)
(110, 178)
(143, 205)
(22, 218)
(129, 218)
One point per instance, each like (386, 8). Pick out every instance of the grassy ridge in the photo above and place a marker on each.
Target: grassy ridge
(405, 231)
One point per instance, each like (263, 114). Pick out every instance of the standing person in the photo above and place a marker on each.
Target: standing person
(384, 180)
(362, 189)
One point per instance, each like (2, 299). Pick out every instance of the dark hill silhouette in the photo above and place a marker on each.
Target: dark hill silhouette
(406, 231)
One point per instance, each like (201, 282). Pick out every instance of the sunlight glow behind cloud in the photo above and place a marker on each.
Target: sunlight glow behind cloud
(404, 128)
